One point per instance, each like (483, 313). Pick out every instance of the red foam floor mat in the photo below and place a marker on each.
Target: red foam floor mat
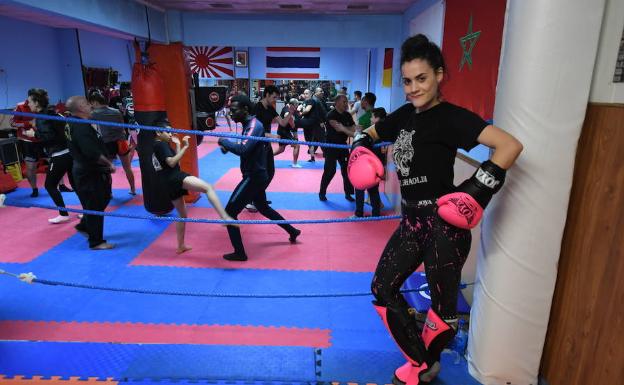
(32, 224)
(345, 247)
(141, 333)
(290, 180)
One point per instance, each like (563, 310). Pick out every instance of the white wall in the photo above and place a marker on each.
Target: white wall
(429, 22)
(603, 90)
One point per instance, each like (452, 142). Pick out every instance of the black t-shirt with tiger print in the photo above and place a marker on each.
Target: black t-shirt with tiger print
(425, 145)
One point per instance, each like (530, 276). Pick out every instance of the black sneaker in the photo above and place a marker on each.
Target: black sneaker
(34, 193)
(322, 197)
(235, 257)
(63, 188)
(294, 235)
(349, 198)
(311, 160)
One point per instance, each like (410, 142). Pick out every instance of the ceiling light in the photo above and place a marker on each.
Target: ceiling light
(290, 6)
(358, 7)
(221, 5)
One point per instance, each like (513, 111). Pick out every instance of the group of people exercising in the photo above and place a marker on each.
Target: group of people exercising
(436, 215)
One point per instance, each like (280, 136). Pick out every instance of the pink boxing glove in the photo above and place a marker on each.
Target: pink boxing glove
(365, 170)
(460, 210)
(464, 207)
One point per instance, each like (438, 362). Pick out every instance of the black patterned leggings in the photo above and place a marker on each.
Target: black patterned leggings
(423, 237)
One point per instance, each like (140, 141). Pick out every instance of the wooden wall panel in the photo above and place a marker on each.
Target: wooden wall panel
(585, 340)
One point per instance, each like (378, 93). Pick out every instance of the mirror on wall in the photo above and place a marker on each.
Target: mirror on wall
(288, 88)
(294, 88)
(231, 84)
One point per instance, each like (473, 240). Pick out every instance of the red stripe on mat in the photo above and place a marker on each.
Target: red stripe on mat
(139, 333)
(121, 182)
(36, 235)
(56, 380)
(290, 180)
(346, 247)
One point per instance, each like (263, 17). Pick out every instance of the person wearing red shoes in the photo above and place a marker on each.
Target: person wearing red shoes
(437, 216)
(51, 135)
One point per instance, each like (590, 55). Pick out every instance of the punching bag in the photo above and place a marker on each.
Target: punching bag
(148, 93)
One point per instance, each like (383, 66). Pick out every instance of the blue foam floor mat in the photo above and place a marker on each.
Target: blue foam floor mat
(361, 350)
(132, 362)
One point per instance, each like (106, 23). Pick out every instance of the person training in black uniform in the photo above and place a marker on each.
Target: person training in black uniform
(51, 134)
(265, 112)
(92, 171)
(253, 164)
(341, 126)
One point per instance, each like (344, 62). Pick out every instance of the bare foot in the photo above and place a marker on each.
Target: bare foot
(183, 249)
(103, 246)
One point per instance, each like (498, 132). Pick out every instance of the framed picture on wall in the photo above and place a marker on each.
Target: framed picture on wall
(241, 58)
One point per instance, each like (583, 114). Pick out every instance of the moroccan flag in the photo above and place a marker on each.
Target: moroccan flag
(293, 62)
(387, 68)
(473, 33)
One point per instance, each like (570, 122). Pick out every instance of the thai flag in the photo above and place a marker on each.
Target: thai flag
(293, 62)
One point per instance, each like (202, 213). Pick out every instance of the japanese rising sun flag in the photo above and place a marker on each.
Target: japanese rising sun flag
(211, 62)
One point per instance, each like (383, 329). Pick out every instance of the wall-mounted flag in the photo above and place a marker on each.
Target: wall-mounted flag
(293, 62)
(211, 62)
(387, 68)
(473, 35)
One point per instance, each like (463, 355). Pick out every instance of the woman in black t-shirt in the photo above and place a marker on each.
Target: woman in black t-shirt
(437, 216)
(165, 162)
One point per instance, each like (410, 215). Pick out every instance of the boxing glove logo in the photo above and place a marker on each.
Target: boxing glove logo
(487, 179)
(464, 208)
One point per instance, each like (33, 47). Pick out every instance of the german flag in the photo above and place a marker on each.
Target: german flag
(387, 68)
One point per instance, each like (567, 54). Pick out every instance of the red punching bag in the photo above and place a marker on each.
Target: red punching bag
(148, 93)
(148, 90)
